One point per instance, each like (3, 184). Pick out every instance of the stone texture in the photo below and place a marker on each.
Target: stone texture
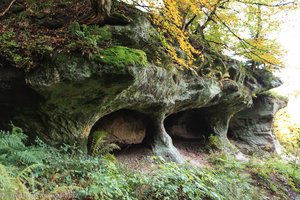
(123, 127)
(211, 120)
(66, 99)
(75, 94)
(253, 126)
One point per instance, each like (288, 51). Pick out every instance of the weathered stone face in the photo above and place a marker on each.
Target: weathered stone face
(69, 98)
(75, 96)
(124, 127)
(253, 126)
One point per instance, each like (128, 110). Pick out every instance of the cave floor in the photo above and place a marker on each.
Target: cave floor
(140, 158)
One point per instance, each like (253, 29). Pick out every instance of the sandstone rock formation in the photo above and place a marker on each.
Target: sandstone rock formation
(69, 98)
(253, 126)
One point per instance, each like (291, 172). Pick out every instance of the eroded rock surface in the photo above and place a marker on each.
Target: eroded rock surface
(253, 126)
(69, 97)
(124, 127)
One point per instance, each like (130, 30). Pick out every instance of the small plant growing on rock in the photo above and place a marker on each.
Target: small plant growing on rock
(214, 142)
(90, 35)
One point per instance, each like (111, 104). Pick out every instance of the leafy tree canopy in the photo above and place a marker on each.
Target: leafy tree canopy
(189, 29)
(240, 28)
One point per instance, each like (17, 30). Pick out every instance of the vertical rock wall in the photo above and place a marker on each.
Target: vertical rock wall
(253, 126)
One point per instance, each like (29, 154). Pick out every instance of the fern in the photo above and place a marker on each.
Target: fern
(10, 184)
(14, 151)
(11, 142)
(26, 157)
(99, 145)
(27, 176)
(66, 192)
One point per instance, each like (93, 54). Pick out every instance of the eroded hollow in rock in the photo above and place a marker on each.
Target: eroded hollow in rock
(125, 128)
(16, 98)
(190, 124)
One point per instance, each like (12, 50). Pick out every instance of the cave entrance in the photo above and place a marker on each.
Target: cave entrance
(125, 128)
(189, 129)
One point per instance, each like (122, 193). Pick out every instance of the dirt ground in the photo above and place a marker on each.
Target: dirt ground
(140, 158)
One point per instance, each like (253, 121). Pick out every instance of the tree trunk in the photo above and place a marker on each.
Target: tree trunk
(101, 7)
(100, 12)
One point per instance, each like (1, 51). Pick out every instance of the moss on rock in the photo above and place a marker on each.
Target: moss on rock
(120, 57)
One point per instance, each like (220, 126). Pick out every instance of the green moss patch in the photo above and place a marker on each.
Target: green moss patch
(121, 57)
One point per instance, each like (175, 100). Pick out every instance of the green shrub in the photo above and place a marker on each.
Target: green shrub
(274, 171)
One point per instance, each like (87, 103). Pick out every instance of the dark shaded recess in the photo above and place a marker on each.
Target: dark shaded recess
(111, 79)
(190, 124)
(16, 97)
(51, 22)
(6, 62)
(231, 135)
(233, 73)
(131, 117)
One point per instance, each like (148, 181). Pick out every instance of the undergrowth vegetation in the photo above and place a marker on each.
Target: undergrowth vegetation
(23, 55)
(43, 172)
(88, 39)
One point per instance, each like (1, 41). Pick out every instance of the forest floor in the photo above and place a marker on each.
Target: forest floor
(40, 171)
(139, 157)
(271, 184)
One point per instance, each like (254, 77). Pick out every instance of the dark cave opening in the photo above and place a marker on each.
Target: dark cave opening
(189, 125)
(17, 99)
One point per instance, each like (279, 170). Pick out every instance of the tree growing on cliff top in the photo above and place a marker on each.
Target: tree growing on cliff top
(191, 28)
(236, 27)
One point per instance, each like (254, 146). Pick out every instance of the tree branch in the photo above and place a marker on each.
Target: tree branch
(210, 15)
(268, 5)
(189, 22)
(7, 9)
(244, 43)
(218, 43)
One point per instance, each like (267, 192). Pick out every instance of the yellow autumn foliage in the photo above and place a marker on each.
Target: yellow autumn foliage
(287, 131)
(170, 20)
(240, 27)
